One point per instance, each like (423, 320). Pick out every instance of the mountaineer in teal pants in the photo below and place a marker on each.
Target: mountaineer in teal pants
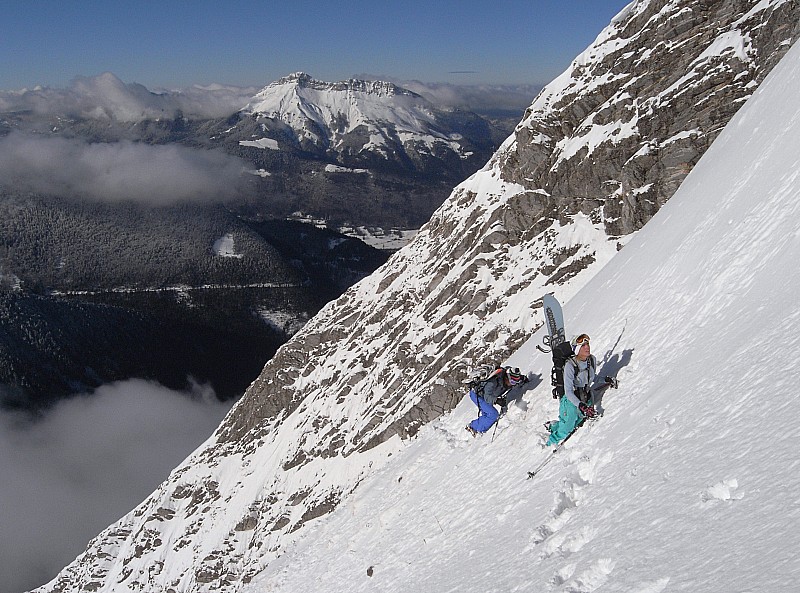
(576, 403)
(569, 416)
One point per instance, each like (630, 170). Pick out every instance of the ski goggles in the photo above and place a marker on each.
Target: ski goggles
(582, 339)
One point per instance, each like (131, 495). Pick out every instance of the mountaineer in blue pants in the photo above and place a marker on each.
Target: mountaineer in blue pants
(488, 387)
(487, 414)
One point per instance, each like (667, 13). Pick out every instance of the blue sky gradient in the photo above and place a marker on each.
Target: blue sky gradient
(174, 44)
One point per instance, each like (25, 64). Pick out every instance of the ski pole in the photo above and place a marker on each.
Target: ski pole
(543, 463)
(555, 450)
(495, 429)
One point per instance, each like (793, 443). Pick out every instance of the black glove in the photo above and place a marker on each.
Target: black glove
(501, 401)
(587, 411)
(612, 382)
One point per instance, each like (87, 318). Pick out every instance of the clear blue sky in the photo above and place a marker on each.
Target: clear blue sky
(173, 43)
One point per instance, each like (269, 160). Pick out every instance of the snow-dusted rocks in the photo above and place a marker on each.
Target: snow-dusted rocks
(615, 135)
(379, 364)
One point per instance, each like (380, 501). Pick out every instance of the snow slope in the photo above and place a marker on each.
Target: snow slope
(688, 482)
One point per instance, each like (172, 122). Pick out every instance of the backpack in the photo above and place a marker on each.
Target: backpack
(482, 375)
(561, 354)
(498, 371)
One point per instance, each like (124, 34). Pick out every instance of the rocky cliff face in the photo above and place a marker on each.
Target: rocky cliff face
(597, 153)
(616, 134)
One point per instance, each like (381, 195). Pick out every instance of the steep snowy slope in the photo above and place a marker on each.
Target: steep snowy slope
(690, 480)
(387, 358)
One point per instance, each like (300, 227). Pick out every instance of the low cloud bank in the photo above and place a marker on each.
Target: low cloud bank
(480, 98)
(107, 97)
(163, 174)
(91, 460)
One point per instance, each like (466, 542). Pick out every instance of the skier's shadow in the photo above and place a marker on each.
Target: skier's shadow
(516, 392)
(610, 366)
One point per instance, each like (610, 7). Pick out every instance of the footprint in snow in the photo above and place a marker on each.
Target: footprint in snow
(456, 437)
(725, 490)
(589, 466)
(563, 574)
(592, 578)
(567, 544)
(563, 509)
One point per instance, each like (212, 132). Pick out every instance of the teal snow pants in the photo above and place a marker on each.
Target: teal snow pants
(568, 418)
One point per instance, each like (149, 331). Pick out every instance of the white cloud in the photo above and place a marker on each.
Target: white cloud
(117, 171)
(107, 97)
(85, 464)
(483, 98)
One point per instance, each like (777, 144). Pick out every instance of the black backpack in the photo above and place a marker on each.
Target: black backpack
(561, 354)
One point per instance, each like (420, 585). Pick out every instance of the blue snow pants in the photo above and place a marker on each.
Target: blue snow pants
(487, 414)
(568, 418)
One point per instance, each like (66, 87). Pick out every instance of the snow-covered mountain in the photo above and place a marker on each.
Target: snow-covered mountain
(358, 152)
(678, 312)
(360, 119)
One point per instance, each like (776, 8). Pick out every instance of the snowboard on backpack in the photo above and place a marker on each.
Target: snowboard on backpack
(554, 319)
(555, 342)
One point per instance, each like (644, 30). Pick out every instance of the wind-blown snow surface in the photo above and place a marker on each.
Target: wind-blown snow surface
(690, 481)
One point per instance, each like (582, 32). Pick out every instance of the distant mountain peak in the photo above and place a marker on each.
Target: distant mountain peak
(375, 87)
(360, 118)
